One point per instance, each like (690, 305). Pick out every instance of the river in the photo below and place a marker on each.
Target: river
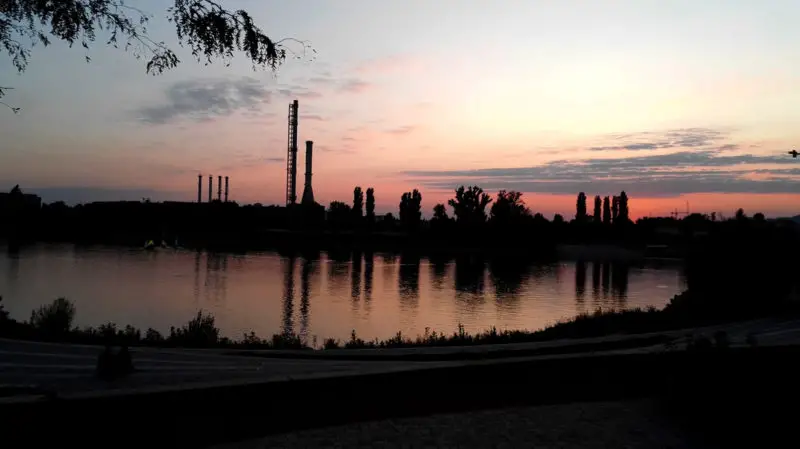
(321, 295)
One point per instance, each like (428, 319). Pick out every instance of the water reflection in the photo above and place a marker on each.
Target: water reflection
(345, 291)
(408, 279)
(288, 295)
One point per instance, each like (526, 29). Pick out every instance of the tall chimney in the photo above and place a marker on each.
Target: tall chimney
(210, 188)
(219, 188)
(308, 192)
(199, 188)
(291, 156)
(226, 189)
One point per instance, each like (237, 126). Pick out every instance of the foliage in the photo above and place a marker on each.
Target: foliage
(206, 28)
(200, 332)
(580, 212)
(440, 212)
(54, 319)
(469, 205)
(339, 214)
(615, 209)
(358, 203)
(509, 208)
(606, 211)
(598, 214)
(370, 205)
(3, 312)
(624, 212)
(411, 209)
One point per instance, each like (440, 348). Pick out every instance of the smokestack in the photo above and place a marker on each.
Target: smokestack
(210, 188)
(308, 192)
(226, 189)
(199, 188)
(219, 188)
(291, 157)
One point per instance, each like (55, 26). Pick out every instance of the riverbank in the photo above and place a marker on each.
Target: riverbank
(53, 322)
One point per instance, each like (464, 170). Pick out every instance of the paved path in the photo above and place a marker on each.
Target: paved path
(631, 425)
(70, 368)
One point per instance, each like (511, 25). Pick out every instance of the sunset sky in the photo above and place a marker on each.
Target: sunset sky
(672, 101)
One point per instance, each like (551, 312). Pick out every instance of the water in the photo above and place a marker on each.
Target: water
(322, 296)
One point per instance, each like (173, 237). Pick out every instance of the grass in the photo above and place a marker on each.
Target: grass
(54, 322)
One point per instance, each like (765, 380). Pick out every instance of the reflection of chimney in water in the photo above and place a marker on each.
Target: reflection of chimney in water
(308, 192)
(219, 188)
(210, 187)
(226, 189)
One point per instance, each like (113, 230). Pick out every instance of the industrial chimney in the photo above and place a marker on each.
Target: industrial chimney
(199, 188)
(226, 189)
(291, 156)
(219, 188)
(210, 187)
(308, 192)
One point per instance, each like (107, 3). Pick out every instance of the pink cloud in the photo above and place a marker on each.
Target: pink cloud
(388, 64)
(355, 86)
(402, 130)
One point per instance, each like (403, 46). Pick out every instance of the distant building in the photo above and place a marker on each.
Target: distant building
(27, 201)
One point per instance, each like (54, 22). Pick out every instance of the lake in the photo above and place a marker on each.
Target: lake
(321, 295)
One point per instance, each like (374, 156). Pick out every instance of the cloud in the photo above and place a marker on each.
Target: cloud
(274, 160)
(312, 117)
(299, 92)
(387, 64)
(651, 140)
(656, 175)
(206, 99)
(402, 130)
(354, 86)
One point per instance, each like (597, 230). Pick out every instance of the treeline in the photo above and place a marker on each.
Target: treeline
(471, 219)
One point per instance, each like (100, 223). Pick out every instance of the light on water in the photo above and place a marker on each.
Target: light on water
(322, 295)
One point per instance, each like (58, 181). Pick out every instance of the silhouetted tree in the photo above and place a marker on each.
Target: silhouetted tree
(440, 212)
(509, 208)
(469, 205)
(759, 217)
(558, 219)
(606, 211)
(338, 214)
(580, 213)
(358, 203)
(598, 214)
(370, 205)
(209, 30)
(740, 214)
(614, 209)
(624, 212)
(411, 209)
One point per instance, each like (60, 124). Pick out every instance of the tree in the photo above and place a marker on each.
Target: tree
(469, 205)
(411, 209)
(606, 211)
(624, 212)
(338, 214)
(598, 214)
(740, 215)
(370, 205)
(614, 209)
(580, 213)
(358, 203)
(558, 219)
(509, 208)
(440, 212)
(758, 216)
(210, 31)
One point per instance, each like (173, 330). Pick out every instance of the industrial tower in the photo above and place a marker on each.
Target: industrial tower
(308, 192)
(291, 157)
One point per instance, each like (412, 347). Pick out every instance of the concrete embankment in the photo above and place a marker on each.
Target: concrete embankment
(737, 386)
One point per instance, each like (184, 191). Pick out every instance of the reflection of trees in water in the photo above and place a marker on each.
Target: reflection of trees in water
(507, 276)
(580, 282)
(306, 271)
(438, 269)
(288, 295)
(338, 269)
(369, 267)
(469, 274)
(614, 278)
(355, 278)
(408, 279)
(388, 264)
(216, 276)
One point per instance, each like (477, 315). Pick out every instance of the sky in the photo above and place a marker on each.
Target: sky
(682, 104)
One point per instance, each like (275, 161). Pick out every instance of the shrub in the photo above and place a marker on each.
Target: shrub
(55, 319)
(199, 332)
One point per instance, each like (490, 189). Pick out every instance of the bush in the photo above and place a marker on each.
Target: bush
(199, 332)
(55, 319)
